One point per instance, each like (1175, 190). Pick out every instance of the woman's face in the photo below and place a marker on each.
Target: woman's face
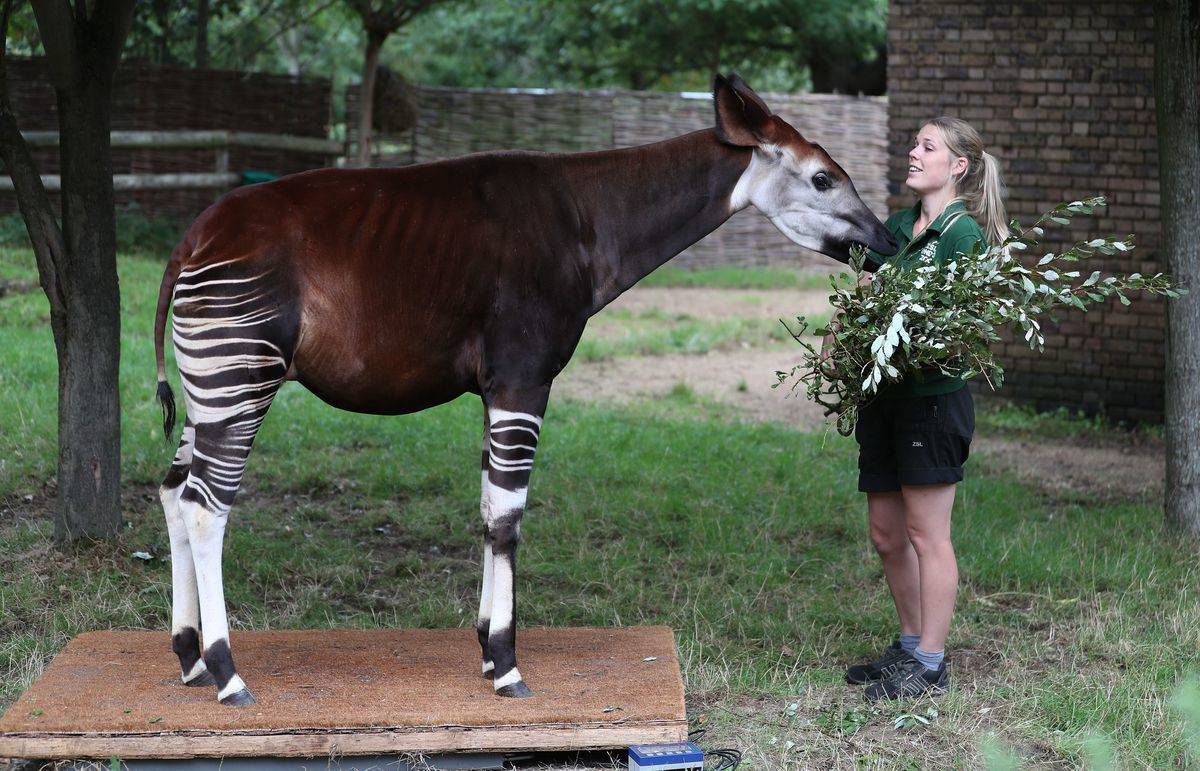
(931, 167)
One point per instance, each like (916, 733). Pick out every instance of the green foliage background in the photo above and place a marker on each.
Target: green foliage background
(640, 44)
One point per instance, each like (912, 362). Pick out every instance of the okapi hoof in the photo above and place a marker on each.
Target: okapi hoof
(242, 698)
(516, 690)
(204, 678)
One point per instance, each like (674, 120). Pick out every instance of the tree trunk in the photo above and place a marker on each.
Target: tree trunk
(201, 34)
(366, 96)
(1177, 71)
(89, 346)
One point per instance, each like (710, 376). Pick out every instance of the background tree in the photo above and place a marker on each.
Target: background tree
(1176, 75)
(77, 262)
(201, 47)
(380, 18)
(784, 45)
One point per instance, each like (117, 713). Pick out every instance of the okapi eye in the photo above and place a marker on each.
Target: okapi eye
(821, 181)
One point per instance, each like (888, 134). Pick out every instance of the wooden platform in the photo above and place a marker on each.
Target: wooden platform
(352, 692)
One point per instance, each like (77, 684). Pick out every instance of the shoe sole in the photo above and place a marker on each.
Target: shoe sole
(937, 690)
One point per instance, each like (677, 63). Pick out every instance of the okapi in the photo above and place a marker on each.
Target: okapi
(388, 291)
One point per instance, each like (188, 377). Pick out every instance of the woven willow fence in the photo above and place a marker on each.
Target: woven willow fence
(452, 122)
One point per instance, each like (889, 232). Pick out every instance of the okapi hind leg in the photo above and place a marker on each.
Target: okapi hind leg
(219, 459)
(185, 600)
(235, 329)
(514, 424)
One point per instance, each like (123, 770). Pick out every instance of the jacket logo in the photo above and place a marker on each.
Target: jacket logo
(917, 444)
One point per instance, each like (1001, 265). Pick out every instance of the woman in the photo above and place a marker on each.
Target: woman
(914, 437)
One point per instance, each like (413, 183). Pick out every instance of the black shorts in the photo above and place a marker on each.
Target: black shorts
(918, 440)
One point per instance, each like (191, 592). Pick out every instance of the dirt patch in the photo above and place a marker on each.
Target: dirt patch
(739, 378)
(16, 287)
(712, 304)
(1087, 470)
(1064, 469)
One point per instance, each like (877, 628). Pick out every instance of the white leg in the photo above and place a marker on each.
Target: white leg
(482, 620)
(206, 531)
(512, 438)
(185, 602)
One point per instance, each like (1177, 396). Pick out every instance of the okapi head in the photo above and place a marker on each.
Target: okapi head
(794, 182)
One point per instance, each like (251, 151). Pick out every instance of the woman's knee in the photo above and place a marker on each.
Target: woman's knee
(888, 539)
(925, 541)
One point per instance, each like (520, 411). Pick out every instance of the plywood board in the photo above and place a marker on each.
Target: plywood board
(352, 692)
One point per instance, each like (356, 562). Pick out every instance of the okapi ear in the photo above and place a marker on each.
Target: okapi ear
(742, 117)
(745, 91)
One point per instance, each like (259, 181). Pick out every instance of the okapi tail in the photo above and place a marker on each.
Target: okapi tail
(165, 396)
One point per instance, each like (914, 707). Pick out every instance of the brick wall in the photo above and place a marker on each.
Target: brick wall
(454, 122)
(151, 97)
(1062, 94)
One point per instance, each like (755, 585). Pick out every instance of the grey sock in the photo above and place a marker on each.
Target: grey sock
(931, 660)
(909, 642)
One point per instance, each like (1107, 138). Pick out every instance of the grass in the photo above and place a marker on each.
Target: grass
(1075, 621)
(620, 333)
(1004, 417)
(736, 278)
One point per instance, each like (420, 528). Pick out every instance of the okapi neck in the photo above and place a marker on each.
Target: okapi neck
(647, 204)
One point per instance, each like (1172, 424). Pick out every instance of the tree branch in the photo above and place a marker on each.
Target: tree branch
(294, 23)
(49, 248)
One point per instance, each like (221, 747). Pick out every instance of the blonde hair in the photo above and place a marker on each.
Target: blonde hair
(980, 186)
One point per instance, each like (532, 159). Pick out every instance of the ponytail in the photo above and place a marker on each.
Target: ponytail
(981, 186)
(989, 207)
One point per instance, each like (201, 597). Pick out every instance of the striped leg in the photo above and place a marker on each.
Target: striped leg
(514, 423)
(185, 602)
(230, 342)
(483, 620)
(218, 460)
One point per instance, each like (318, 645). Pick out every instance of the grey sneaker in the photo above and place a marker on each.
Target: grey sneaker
(882, 667)
(910, 680)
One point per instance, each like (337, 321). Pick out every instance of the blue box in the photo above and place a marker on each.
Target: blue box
(666, 757)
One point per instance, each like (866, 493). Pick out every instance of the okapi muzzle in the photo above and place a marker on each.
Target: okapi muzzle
(387, 291)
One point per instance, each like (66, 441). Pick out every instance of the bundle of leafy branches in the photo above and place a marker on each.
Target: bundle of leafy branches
(927, 318)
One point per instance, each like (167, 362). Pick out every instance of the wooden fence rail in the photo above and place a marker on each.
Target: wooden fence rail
(218, 140)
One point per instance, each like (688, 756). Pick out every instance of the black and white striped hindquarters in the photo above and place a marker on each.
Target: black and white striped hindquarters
(233, 338)
(234, 333)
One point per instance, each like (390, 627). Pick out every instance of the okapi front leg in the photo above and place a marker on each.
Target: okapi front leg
(483, 620)
(512, 442)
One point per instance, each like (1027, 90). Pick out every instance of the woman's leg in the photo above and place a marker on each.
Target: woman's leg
(927, 514)
(890, 535)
